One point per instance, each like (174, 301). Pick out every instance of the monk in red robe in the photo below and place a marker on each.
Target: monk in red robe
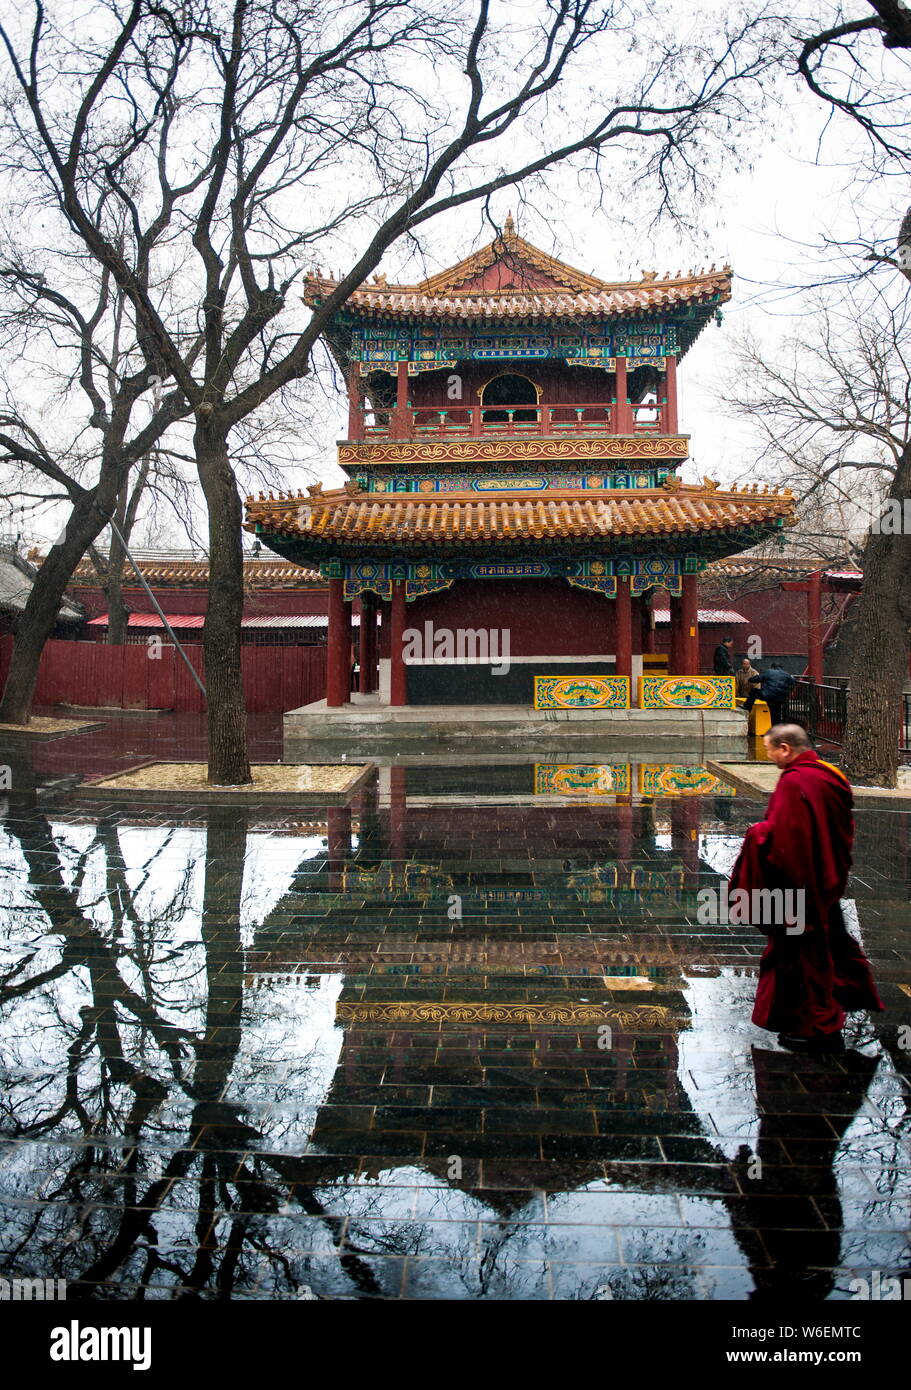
(812, 970)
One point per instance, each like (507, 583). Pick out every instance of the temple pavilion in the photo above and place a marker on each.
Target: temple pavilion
(512, 481)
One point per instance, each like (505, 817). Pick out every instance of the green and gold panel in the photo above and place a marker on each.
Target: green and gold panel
(676, 779)
(630, 1017)
(686, 692)
(582, 779)
(581, 692)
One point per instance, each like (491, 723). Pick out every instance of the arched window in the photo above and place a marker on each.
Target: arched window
(509, 389)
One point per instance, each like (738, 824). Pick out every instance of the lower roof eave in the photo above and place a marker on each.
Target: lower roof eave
(710, 545)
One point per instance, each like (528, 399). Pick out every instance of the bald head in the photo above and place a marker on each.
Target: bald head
(785, 742)
(788, 733)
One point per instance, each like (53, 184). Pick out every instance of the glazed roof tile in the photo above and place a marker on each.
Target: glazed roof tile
(527, 284)
(271, 573)
(377, 518)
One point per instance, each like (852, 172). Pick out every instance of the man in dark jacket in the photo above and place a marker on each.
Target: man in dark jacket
(723, 664)
(773, 686)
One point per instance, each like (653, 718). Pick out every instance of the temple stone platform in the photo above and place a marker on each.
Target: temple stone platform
(365, 723)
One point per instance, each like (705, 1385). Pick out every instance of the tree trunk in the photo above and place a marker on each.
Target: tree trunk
(227, 715)
(117, 613)
(36, 624)
(879, 664)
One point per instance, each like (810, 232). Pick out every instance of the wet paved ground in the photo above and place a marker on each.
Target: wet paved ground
(461, 1040)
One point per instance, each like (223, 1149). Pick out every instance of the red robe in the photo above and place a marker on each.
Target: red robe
(807, 981)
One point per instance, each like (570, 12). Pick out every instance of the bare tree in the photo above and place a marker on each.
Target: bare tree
(274, 134)
(839, 59)
(833, 410)
(71, 432)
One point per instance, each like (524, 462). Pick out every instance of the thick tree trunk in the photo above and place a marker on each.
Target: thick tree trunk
(87, 519)
(879, 665)
(117, 613)
(227, 716)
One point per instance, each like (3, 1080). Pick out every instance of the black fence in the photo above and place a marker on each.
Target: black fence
(823, 710)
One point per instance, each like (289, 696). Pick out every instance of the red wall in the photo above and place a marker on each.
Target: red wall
(779, 618)
(90, 673)
(545, 617)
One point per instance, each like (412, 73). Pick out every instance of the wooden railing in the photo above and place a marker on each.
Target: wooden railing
(476, 421)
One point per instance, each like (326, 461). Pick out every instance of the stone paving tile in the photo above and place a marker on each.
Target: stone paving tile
(232, 1049)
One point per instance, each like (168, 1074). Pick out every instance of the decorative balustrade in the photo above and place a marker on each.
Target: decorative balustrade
(454, 421)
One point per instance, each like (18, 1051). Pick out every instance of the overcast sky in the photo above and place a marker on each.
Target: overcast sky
(770, 221)
(790, 186)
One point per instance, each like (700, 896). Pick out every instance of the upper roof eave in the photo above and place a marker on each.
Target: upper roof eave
(573, 292)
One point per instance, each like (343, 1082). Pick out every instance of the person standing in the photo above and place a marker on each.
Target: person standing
(745, 673)
(812, 971)
(723, 666)
(774, 686)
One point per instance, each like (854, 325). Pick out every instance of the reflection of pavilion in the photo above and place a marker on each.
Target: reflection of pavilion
(540, 1023)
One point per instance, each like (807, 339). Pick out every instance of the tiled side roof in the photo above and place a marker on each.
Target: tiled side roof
(372, 518)
(662, 616)
(787, 567)
(271, 573)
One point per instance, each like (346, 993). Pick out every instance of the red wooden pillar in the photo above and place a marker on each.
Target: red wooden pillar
(401, 421)
(677, 654)
(398, 682)
(815, 654)
(670, 380)
(624, 618)
(689, 616)
(363, 645)
(372, 643)
(648, 622)
(623, 420)
(338, 656)
(355, 412)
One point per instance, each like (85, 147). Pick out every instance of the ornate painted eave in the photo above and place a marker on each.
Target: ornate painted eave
(426, 453)
(351, 522)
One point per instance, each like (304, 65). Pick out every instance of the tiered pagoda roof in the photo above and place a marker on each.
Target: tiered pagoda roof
(509, 279)
(350, 521)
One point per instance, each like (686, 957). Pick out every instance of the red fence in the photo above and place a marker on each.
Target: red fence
(131, 677)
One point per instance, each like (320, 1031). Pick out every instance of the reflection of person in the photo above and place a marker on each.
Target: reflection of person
(745, 674)
(721, 662)
(811, 971)
(773, 686)
(795, 1261)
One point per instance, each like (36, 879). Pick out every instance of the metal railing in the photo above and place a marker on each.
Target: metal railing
(823, 709)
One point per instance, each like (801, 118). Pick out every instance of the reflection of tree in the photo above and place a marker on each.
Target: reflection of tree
(127, 1062)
